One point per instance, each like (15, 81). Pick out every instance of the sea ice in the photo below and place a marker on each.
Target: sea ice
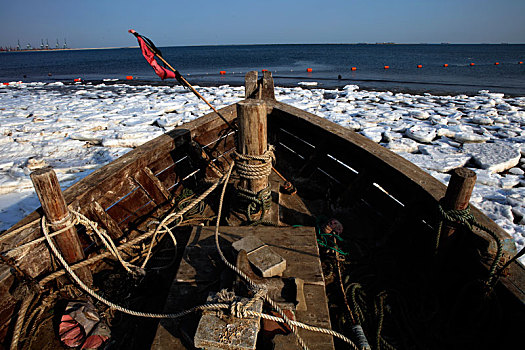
(78, 128)
(496, 157)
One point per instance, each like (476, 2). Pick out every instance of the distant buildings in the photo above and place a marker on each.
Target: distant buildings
(30, 48)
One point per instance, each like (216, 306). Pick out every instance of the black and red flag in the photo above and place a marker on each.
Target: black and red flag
(146, 45)
(149, 50)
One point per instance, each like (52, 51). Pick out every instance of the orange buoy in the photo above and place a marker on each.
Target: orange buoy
(520, 62)
(419, 66)
(222, 72)
(497, 63)
(471, 64)
(129, 77)
(77, 80)
(387, 67)
(445, 65)
(309, 70)
(354, 68)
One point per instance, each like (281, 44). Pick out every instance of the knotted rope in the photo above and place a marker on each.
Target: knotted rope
(254, 202)
(249, 171)
(466, 219)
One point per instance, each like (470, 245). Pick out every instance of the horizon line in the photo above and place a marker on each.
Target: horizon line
(256, 44)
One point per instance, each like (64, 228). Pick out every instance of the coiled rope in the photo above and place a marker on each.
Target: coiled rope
(254, 171)
(254, 202)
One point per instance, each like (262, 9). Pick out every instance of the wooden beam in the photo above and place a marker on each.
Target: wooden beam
(58, 216)
(251, 116)
(99, 214)
(251, 87)
(266, 86)
(152, 185)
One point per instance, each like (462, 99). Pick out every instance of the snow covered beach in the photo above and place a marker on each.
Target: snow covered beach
(79, 128)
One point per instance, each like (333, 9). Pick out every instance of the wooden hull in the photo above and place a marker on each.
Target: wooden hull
(373, 191)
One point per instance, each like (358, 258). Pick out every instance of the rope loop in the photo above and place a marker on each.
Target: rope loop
(254, 171)
(464, 217)
(252, 203)
(238, 309)
(460, 216)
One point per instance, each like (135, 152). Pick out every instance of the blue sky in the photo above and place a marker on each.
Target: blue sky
(97, 23)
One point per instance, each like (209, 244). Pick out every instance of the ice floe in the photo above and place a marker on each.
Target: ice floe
(78, 128)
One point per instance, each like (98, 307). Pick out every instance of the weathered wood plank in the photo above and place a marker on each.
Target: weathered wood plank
(162, 164)
(128, 206)
(457, 196)
(120, 190)
(252, 140)
(99, 215)
(267, 87)
(152, 185)
(251, 88)
(201, 267)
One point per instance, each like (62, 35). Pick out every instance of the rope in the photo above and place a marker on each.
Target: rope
(465, 218)
(307, 327)
(178, 215)
(17, 231)
(242, 274)
(213, 306)
(162, 224)
(360, 308)
(254, 171)
(340, 275)
(20, 321)
(104, 237)
(37, 240)
(254, 202)
(238, 309)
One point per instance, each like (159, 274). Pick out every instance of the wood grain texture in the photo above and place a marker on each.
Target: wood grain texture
(58, 216)
(252, 141)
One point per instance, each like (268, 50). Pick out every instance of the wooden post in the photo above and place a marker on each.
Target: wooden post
(251, 119)
(58, 216)
(458, 193)
(250, 85)
(267, 87)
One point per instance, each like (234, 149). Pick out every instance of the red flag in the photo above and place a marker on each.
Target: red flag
(162, 72)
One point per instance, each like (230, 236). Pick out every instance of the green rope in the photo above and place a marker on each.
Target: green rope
(366, 318)
(183, 200)
(326, 239)
(255, 202)
(466, 219)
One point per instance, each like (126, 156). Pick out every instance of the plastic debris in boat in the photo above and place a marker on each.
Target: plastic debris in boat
(81, 325)
(333, 226)
(329, 233)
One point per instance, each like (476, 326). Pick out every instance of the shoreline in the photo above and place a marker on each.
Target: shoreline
(344, 82)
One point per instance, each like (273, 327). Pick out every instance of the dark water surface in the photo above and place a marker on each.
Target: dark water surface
(288, 63)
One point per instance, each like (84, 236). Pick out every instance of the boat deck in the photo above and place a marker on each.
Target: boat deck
(201, 268)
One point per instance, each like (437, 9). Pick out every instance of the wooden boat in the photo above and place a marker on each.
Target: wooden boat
(382, 272)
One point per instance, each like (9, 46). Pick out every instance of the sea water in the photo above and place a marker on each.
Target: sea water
(331, 66)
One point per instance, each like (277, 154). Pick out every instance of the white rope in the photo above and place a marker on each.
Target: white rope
(253, 171)
(105, 238)
(243, 275)
(174, 216)
(305, 326)
(238, 309)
